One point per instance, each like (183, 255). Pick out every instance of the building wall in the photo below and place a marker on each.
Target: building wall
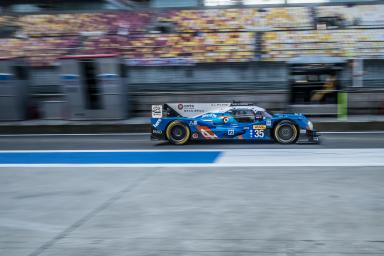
(227, 76)
(263, 83)
(373, 74)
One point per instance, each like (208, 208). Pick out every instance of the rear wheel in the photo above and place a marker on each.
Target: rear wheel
(178, 133)
(286, 132)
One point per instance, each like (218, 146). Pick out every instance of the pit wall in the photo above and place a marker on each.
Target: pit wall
(265, 83)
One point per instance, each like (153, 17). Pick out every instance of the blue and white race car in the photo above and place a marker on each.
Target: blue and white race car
(180, 123)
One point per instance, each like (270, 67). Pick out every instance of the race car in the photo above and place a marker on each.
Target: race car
(180, 123)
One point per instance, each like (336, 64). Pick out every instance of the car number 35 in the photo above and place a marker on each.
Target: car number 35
(257, 133)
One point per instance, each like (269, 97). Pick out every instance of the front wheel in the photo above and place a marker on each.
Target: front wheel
(178, 133)
(286, 132)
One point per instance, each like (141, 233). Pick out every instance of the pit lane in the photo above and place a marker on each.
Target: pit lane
(142, 141)
(266, 210)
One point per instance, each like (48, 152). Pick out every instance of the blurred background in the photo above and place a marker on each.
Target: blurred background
(112, 59)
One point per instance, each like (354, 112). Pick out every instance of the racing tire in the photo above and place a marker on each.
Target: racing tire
(178, 133)
(286, 132)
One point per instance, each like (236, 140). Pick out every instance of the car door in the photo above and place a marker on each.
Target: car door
(259, 129)
(243, 121)
(253, 124)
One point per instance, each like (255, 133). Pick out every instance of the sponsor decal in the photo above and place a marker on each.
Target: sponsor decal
(269, 122)
(192, 123)
(157, 111)
(207, 133)
(157, 123)
(189, 108)
(256, 133)
(195, 136)
(259, 127)
(157, 131)
(231, 132)
(210, 115)
(194, 109)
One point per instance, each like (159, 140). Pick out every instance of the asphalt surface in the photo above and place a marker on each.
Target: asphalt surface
(192, 211)
(142, 141)
(189, 211)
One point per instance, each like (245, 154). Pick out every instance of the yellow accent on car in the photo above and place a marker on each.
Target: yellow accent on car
(285, 141)
(183, 140)
(259, 127)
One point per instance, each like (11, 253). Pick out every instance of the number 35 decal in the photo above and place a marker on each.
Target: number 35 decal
(259, 133)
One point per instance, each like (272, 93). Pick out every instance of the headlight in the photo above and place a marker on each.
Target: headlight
(309, 125)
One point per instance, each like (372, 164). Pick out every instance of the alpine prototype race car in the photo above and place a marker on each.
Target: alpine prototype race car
(180, 123)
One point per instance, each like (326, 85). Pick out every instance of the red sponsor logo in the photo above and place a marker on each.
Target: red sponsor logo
(207, 133)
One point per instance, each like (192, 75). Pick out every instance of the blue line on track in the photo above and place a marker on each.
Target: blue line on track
(164, 157)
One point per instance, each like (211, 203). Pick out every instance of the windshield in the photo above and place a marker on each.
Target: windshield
(263, 114)
(267, 115)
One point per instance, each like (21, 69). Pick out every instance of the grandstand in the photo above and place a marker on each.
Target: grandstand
(205, 35)
(197, 35)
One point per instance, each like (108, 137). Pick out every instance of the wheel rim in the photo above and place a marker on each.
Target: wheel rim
(286, 133)
(178, 132)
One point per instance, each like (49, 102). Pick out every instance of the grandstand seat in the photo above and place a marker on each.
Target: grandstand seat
(209, 35)
(348, 43)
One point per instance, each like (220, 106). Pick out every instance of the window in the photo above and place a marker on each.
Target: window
(262, 114)
(243, 115)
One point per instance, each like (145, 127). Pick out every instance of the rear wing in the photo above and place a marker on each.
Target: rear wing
(187, 109)
(196, 109)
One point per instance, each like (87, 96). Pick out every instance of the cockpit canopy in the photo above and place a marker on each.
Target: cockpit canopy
(248, 115)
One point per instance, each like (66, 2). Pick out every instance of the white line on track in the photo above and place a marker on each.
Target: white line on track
(218, 165)
(247, 152)
(147, 134)
(361, 132)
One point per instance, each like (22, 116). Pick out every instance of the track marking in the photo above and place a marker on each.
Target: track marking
(148, 134)
(362, 132)
(113, 150)
(224, 158)
(102, 157)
